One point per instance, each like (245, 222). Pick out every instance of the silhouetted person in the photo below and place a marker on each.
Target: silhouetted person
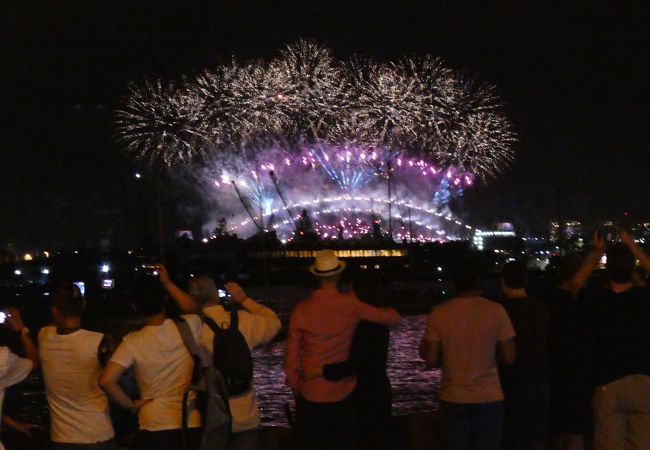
(163, 371)
(24, 416)
(320, 333)
(569, 374)
(619, 318)
(72, 361)
(14, 369)
(368, 361)
(525, 383)
(258, 325)
(464, 336)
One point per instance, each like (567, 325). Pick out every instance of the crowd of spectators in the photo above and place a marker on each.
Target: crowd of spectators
(567, 369)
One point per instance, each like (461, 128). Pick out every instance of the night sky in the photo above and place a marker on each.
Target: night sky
(574, 78)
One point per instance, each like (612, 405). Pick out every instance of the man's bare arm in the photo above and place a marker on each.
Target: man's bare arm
(185, 301)
(506, 352)
(579, 280)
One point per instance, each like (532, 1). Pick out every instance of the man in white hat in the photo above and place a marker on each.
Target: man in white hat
(320, 333)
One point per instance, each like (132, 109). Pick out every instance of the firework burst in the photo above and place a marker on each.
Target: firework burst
(161, 125)
(325, 128)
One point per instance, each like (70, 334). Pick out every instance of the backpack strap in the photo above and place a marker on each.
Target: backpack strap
(195, 353)
(188, 339)
(212, 325)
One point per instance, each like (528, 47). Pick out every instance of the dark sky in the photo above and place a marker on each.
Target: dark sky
(575, 80)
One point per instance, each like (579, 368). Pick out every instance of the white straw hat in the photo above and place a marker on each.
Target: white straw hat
(327, 264)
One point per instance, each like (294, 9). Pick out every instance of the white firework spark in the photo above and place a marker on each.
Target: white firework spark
(307, 97)
(161, 125)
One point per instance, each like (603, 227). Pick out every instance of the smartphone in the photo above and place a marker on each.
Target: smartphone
(151, 269)
(609, 233)
(223, 293)
(81, 285)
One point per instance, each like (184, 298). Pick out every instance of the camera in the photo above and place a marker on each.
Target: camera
(223, 293)
(609, 233)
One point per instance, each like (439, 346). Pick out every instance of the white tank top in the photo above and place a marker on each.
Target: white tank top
(79, 411)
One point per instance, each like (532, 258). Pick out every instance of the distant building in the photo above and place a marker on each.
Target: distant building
(572, 229)
(506, 242)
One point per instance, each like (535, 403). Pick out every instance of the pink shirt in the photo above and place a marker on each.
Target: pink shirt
(468, 329)
(320, 333)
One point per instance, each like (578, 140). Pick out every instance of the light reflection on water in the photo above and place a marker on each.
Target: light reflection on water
(414, 387)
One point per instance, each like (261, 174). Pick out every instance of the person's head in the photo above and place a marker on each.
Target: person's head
(465, 276)
(567, 267)
(368, 285)
(327, 267)
(514, 277)
(67, 302)
(203, 289)
(148, 295)
(620, 263)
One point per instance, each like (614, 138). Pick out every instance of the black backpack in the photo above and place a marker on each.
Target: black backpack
(231, 356)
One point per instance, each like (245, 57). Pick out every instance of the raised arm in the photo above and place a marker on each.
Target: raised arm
(266, 322)
(579, 280)
(15, 322)
(638, 251)
(185, 301)
(383, 316)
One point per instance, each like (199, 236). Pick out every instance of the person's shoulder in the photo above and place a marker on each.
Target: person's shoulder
(449, 306)
(641, 291)
(91, 334)
(193, 320)
(4, 357)
(491, 306)
(486, 302)
(593, 293)
(215, 312)
(46, 332)
(134, 338)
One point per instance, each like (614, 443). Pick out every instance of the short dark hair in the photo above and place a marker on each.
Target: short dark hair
(620, 263)
(148, 295)
(465, 275)
(568, 265)
(515, 274)
(67, 300)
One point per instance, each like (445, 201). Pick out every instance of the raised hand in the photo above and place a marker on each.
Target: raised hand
(237, 292)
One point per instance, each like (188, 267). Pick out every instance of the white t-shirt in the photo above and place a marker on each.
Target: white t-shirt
(13, 369)
(163, 370)
(79, 412)
(258, 324)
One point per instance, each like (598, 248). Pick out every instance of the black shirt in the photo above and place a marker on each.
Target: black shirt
(529, 318)
(619, 326)
(568, 358)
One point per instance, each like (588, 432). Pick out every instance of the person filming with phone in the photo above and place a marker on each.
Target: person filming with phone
(618, 318)
(13, 368)
(237, 333)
